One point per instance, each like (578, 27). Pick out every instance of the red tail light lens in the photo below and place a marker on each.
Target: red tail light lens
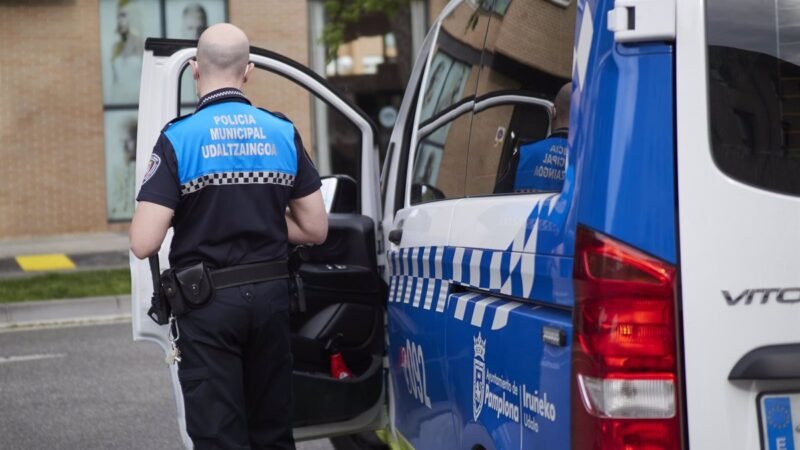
(625, 383)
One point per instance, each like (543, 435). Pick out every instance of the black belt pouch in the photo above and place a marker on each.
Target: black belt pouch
(187, 288)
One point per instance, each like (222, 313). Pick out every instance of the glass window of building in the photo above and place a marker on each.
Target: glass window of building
(124, 26)
(370, 67)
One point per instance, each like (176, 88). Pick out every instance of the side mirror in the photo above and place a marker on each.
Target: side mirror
(340, 194)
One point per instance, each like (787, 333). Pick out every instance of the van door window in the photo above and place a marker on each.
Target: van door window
(754, 91)
(445, 108)
(518, 140)
(440, 163)
(504, 133)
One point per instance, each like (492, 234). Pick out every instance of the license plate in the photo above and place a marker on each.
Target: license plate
(780, 421)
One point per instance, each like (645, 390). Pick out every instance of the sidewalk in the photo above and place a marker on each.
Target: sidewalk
(91, 251)
(19, 257)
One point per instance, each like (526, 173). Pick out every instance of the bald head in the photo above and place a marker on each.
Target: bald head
(223, 54)
(561, 103)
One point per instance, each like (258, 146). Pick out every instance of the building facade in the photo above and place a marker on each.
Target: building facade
(65, 133)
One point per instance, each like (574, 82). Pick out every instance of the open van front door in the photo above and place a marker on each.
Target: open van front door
(344, 293)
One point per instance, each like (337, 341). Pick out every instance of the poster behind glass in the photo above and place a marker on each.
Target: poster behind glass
(453, 86)
(438, 72)
(428, 162)
(187, 19)
(501, 6)
(124, 26)
(446, 85)
(120, 138)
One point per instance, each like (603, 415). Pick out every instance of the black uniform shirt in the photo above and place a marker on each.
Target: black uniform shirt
(228, 171)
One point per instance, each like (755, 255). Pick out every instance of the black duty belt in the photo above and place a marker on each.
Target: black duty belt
(249, 274)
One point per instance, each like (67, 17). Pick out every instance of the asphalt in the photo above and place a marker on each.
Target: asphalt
(88, 387)
(42, 335)
(84, 387)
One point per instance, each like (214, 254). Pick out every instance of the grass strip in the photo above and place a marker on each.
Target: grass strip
(66, 285)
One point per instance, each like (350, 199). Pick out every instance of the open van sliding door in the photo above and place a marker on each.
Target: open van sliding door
(345, 295)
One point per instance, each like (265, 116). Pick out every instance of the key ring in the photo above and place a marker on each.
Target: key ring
(173, 323)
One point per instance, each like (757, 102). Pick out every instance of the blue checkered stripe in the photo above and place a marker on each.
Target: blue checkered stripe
(418, 278)
(421, 278)
(481, 302)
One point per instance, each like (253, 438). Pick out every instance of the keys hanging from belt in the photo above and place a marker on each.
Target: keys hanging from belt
(174, 354)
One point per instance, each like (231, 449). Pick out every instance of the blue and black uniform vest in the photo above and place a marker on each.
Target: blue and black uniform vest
(541, 164)
(228, 171)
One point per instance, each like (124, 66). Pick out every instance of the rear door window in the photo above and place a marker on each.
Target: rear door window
(518, 140)
(503, 125)
(754, 91)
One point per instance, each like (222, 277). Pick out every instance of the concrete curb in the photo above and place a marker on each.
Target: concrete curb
(61, 312)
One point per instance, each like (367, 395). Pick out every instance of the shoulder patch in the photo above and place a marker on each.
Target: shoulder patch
(152, 166)
(277, 114)
(175, 120)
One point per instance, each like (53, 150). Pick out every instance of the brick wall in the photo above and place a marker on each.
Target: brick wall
(51, 119)
(51, 107)
(52, 162)
(280, 26)
(549, 30)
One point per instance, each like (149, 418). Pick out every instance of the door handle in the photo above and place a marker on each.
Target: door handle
(773, 362)
(395, 236)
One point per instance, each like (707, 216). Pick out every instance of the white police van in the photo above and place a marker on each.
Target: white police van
(648, 302)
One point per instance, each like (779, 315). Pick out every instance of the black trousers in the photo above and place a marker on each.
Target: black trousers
(236, 369)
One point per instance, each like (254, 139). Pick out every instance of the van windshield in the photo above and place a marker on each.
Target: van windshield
(754, 91)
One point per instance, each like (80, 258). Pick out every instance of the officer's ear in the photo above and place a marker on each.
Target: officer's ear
(195, 70)
(247, 70)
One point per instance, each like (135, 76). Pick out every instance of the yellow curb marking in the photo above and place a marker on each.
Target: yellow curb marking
(34, 263)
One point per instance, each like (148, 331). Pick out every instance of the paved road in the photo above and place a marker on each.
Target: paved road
(87, 387)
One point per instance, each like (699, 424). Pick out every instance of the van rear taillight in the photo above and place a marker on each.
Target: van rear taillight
(625, 379)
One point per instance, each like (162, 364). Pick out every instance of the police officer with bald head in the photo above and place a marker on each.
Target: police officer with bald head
(237, 186)
(538, 166)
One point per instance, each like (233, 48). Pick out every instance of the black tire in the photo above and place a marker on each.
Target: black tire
(361, 441)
